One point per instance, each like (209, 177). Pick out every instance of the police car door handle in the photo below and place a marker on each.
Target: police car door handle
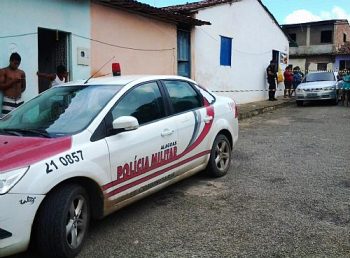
(207, 119)
(167, 132)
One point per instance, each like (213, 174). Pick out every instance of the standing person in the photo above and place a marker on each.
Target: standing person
(12, 84)
(288, 80)
(345, 96)
(60, 77)
(271, 79)
(297, 78)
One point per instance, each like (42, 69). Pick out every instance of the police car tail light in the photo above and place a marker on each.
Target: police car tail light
(116, 69)
(234, 107)
(10, 179)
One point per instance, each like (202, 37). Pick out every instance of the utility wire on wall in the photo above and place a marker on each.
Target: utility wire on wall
(94, 40)
(118, 46)
(234, 49)
(18, 35)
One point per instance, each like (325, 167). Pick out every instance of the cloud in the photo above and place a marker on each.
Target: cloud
(302, 15)
(340, 13)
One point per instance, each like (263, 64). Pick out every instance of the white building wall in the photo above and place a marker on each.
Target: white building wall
(19, 23)
(254, 35)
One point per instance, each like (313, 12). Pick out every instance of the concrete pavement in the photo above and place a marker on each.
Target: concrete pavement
(255, 108)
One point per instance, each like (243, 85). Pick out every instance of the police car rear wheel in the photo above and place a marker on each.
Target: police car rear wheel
(220, 157)
(63, 222)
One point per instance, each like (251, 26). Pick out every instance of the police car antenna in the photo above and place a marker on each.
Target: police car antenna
(99, 70)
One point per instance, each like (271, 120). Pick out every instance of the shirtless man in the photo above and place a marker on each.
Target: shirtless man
(12, 84)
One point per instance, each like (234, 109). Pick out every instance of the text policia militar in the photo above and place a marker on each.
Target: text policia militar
(142, 165)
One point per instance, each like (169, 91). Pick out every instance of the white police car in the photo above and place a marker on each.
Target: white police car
(83, 150)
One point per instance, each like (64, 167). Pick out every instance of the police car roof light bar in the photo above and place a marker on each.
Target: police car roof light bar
(116, 69)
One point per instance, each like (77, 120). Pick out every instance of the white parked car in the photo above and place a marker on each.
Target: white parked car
(83, 150)
(318, 86)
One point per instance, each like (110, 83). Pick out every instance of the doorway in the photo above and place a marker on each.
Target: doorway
(276, 59)
(53, 51)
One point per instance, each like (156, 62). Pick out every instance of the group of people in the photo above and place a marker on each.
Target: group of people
(13, 82)
(292, 78)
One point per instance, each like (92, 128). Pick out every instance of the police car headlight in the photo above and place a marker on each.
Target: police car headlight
(10, 179)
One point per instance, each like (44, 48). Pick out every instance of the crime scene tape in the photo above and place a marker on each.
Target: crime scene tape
(263, 90)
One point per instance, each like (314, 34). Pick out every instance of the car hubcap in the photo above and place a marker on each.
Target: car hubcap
(76, 222)
(222, 155)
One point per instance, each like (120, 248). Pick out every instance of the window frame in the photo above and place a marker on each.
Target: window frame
(108, 119)
(293, 36)
(345, 63)
(225, 53)
(168, 99)
(325, 37)
(322, 64)
(184, 37)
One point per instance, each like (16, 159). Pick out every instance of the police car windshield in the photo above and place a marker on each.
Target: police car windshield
(59, 111)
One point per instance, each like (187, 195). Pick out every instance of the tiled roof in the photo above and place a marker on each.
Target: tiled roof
(152, 12)
(344, 49)
(191, 7)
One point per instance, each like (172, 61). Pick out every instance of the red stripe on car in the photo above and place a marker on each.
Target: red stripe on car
(158, 173)
(17, 152)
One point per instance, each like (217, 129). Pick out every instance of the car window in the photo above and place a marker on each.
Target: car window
(61, 110)
(182, 96)
(143, 102)
(207, 95)
(313, 77)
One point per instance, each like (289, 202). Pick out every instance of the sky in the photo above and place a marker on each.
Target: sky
(289, 11)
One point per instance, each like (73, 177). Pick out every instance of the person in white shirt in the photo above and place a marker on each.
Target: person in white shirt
(60, 77)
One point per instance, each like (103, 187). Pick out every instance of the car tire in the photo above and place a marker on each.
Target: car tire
(300, 103)
(63, 221)
(220, 157)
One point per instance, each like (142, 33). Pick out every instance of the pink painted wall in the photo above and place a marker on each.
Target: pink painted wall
(128, 30)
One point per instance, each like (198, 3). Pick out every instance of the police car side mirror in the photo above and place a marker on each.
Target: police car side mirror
(125, 123)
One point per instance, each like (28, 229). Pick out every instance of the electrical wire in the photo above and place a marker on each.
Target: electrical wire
(18, 35)
(94, 40)
(123, 47)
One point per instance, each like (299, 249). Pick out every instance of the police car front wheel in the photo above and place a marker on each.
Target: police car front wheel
(62, 222)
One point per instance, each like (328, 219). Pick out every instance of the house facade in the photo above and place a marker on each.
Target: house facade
(46, 33)
(142, 38)
(231, 55)
(84, 35)
(319, 45)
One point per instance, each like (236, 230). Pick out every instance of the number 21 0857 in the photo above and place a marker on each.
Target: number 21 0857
(66, 160)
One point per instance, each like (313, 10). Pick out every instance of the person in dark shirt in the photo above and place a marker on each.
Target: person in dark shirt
(271, 80)
(297, 78)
